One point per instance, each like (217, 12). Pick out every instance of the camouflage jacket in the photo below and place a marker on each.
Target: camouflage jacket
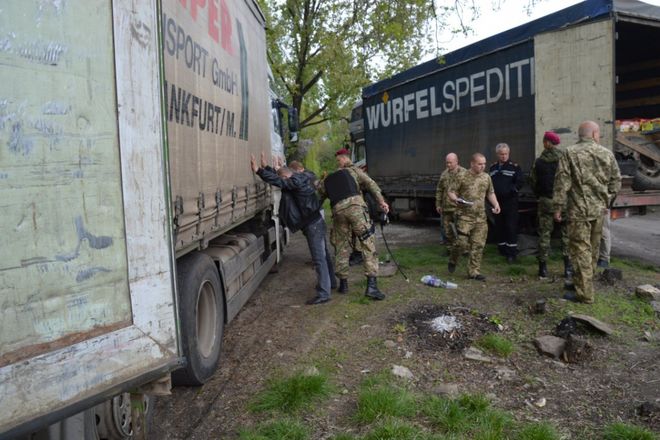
(441, 191)
(473, 188)
(587, 180)
(364, 183)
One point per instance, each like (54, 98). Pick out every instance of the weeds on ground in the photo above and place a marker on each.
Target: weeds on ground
(469, 415)
(394, 429)
(282, 429)
(419, 257)
(621, 431)
(378, 400)
(537, 431)
(291, 393)
(496, 344)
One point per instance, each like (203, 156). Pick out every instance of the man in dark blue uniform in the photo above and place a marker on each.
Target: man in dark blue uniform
(507, 180)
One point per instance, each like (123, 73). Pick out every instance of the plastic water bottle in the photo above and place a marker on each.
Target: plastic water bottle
(432, 281)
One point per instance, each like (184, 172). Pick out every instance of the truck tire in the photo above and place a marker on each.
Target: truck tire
(114, 418)
(642, 182)
(201, 316)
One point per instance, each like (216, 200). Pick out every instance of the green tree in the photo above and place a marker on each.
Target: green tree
(322, 52)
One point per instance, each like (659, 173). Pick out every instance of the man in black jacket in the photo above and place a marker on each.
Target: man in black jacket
(507, 180)
(299, 210)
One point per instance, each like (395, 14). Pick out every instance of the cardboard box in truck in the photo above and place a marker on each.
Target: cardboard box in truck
(132, 226)
(587, 62)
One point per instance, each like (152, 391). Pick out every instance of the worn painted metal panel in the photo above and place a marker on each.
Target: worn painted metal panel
(146, 339)
(575, 81)
(63, 266)
(217, 108)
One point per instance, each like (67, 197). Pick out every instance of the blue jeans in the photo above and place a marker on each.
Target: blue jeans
(315, 234)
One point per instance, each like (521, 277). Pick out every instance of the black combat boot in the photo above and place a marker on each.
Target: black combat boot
(372, 289)
(343, 285)
(568, 268)
(543, 269)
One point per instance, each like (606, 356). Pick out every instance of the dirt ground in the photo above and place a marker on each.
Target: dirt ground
(276, 334)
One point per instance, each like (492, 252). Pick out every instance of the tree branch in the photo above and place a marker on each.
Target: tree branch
(314, 114)
(319, 121)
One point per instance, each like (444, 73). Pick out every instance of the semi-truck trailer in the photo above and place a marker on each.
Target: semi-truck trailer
(133, 228)
(589, 61)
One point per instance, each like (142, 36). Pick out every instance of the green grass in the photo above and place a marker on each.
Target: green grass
(394, 429)
(282, 429)
(621, 431)
(537, 431)
(469, 416)
(420, 257)
(380, 401)
(614, 308)
(291, 393)
(496, 344)
(516, 271)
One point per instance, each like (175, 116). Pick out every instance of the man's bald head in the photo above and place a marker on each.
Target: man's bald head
(589, 130)
(451, 161)
(478, 163)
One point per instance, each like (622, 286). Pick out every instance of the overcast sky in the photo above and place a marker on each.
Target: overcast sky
(510, 14)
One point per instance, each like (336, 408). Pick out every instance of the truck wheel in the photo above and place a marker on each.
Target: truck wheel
(114, 419)
(201, 316)
(647, 176)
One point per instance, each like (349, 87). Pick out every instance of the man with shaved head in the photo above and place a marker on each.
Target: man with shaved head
(469, 193)
(445, 207)
(586, 183)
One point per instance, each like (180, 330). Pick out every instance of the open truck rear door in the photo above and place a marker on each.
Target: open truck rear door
(86, 260)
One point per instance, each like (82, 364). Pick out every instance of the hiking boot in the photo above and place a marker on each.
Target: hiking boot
(451, 267)
(478, 277)
(568, 268)
(603, 264)
(570, 296)
(343, 285)
(372, 289)
(543, 269)
(317, 300)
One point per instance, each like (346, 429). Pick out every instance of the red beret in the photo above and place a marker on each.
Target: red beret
(342, 151)
(552, 137)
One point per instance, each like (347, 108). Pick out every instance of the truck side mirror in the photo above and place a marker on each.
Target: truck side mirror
(294, 124)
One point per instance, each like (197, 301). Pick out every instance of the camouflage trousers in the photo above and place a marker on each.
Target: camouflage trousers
(353, 220)
(471, 236)
(449, 225)
(584, 241)
(546, 226)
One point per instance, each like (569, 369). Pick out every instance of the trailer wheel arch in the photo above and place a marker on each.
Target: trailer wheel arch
(202, 316)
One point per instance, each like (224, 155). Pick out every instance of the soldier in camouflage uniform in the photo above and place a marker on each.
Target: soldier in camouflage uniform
(468, 193)
(586, 182)
(350, 216)
(542, 181)
(445, 207)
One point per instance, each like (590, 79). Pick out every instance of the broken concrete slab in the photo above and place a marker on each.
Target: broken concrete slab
(402, 372)
(550, 345)
(474, 354)
(647, 292)
(447, 389)
(595, 323)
